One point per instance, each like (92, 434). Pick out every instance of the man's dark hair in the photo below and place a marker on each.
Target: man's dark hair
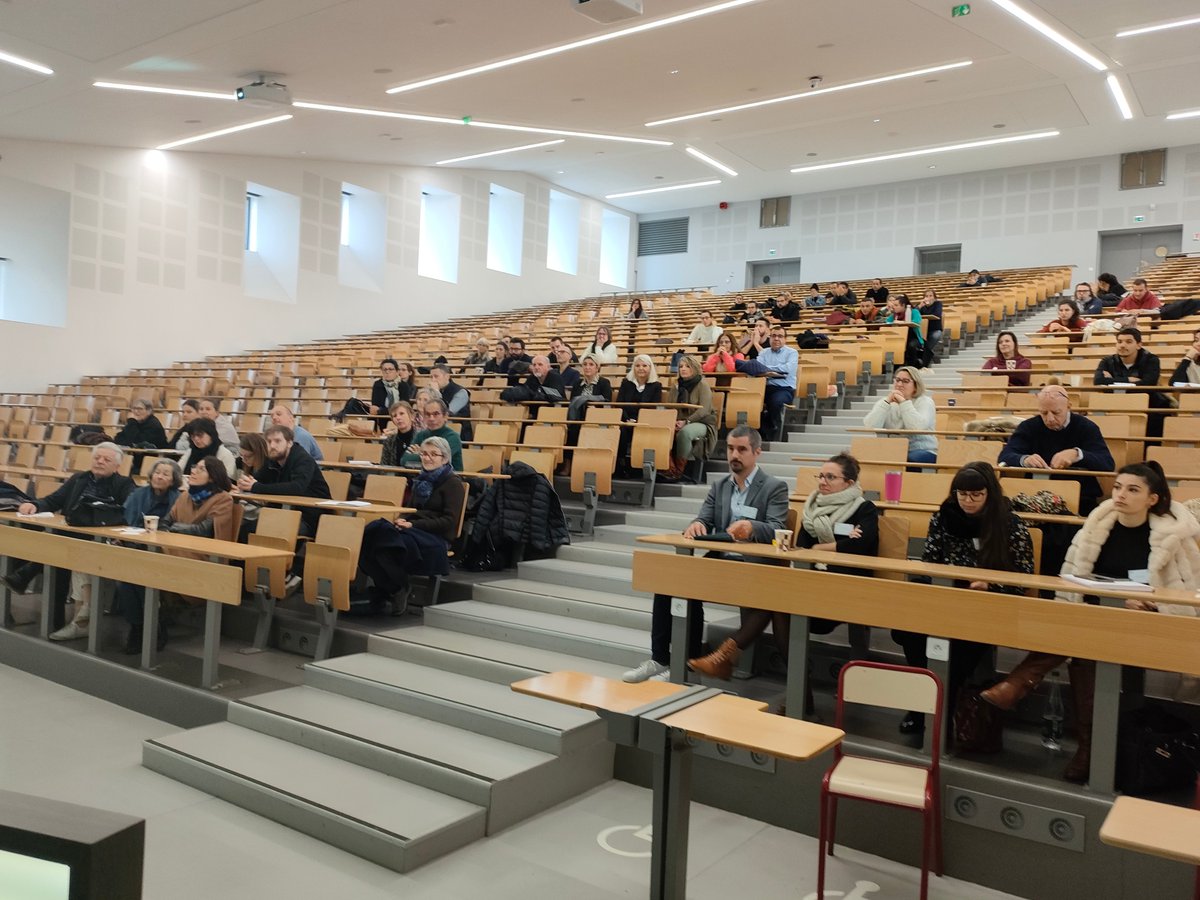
(844, 284)
(1132, 332)
(441, 404)
(208, 426)
(747, 432)
(193, 404)
(440, 367)
(288, 434)
(1107, 278)
(1141, 281)
(390, 361)
(518, 342)
(814, 287)
(973, 272)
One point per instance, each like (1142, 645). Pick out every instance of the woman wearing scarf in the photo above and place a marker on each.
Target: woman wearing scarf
(206, 508)
(592, 388)
(415, 543)
(695, 429)
(837, 519)
(974, 527)
(400, 435)
(202, 436)
(1188, 370)
(640, 386)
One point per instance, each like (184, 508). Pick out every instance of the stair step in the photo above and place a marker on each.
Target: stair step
(459, 700)
(613, 644)
(628, 534)
(380, 818)
(480, 657)
(578, 574)
(510, 781)
(609, 607)
(596, 553)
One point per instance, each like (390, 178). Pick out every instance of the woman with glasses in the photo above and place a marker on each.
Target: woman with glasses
(415, 543)
(1087, 301)
(974, 527)
(907, 407)
(602, 346)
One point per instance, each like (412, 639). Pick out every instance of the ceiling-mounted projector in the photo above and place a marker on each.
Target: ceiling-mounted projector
(607, 11)
(264, 93)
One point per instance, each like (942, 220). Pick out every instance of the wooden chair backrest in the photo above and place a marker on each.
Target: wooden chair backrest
(960, 453)
(493, 433)
(1064, 487)
(598, 460)
(331, 451)
(339, 484)
(660, 439)
(332, 563)
(481, 459)
(889, 688)
(893, 543)
(386, 489)
(603, 414)
(552, 413)
(1175, 461)
(341, 531)
(541, 461)
(925, 487)
(362, 451)
(1180, 428)
(664, 418)
(891, 449)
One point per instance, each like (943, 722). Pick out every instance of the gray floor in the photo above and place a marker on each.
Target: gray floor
(68, 746)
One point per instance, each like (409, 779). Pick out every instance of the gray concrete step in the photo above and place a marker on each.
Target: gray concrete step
(627, 535)
(606, 607)
(389, 821)
(591, 576)
(510, 781)
(458, 700)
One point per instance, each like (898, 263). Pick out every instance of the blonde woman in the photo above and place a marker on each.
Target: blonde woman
(908, 407)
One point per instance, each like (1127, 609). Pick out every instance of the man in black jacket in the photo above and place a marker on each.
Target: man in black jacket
(142, 429)
(100, 483)
(1133, 364)
(544, 384)
(456, 397)
(289, 471)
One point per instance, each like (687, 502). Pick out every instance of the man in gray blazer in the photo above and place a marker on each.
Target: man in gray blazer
(748, 506)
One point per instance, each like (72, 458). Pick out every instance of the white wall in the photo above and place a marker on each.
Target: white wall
(155, 263)
(1048, 214)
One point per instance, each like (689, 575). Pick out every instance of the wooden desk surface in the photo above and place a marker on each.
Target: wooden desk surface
(342, 506)
(368, 468)
(1158, 829)
(930, 508)
(163, 539)
(594, 692)
(741, 722)
(917, 567)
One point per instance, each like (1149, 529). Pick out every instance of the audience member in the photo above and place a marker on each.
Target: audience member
(283, 415)
(1109, 289)
(931, 311)
(495, 364)
(1068, 321)
(695, 429)
(1188, 370)
(562, 364)
(543, 385)
(635, 309)
(210, 409)
(457, 397)
(1139, 534)
(602, 347)
(252, 452)
(788, 309)
(975, 279)
(815, 299)
(399, 434)
(640, 387)
(1056, 439)
(290, 472)
(757, 339)
(557, 344)
(843, 295)
(752, 314)
(434, 424)
(780, 362)
(1140, 300)
(479, 356)
(205, 507)
(975, 527)
(143, 428)
(749, 505)
(188, 410)
(723, 358)
(388, 387)
(1134, 364)
(899, 309)
(877, 293)
(516, 364)
(1008, 358)
(415, 543)
(592, 388)
(99, 484)
(705, 333)
(1089, 304)
(908, 407)
(866, 311)
(204, 442)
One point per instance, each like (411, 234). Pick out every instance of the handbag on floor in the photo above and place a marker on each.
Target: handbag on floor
(1156, 751)
(978, 726)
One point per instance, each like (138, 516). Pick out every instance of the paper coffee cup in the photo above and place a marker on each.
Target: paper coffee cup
(783, 540)
(150, 523)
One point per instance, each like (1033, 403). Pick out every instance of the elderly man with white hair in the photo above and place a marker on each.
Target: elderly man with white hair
(100, 487)
(544, 384)
(283, 415)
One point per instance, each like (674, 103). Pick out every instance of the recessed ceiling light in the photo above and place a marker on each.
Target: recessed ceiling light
(25, 63)
(933, 167)
(875, 121)
(573, 45)
(387, 114)
(563, 133)
(1053, 34)
(1114, 87)
(658, 178)
(947, 148)
(577, 99)
(810, 154)
(661, 190)
(824, 46)
(674, 71)
(223, 131)
(998, 125)
(191, 121)
(708, 160)
(458, 159)
(811, 93)
(1163, 27)
(381, 71)
(150, 89)
(561, 172)
(1191, 114)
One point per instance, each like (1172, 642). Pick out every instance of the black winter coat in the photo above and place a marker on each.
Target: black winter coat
(67, 497)
(136, 433)
(524, 510)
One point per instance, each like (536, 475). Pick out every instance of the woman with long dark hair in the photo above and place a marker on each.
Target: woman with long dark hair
(974, 527)
(204, 443)
(724, 357)
(1139, 534)
(1068, 321)
(1008, 358)
(602, 346)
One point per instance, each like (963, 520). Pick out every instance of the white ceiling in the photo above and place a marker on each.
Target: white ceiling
(348, 53)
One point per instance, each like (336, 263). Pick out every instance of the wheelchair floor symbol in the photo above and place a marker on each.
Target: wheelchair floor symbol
(626, 840)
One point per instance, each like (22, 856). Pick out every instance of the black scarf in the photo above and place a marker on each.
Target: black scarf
(684, 388)
(426, 481)
(958, 523)
(198, 454)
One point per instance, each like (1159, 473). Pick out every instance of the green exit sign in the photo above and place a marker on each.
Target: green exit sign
(963, 9)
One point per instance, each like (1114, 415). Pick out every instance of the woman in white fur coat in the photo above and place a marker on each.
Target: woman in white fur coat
(1139, 534)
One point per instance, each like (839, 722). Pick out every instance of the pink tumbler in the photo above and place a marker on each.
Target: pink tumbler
(891, 486)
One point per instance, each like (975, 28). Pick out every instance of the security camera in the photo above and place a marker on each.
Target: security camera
(814, 81)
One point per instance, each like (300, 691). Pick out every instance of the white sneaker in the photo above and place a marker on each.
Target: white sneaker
(647, 671)
(72, 631)
(292, 584)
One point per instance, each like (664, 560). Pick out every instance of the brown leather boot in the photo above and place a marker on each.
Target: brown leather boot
(719, 663)
(1083, 688)
(1020, 681)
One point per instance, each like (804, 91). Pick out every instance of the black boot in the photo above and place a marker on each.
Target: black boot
(18, 581)
(161, 643)
(133, 641)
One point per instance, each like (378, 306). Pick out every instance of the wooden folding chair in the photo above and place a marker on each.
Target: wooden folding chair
(385, 489)
(330, 563)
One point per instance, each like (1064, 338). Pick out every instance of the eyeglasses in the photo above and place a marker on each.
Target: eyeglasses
(902, 381)
(426, 454)
(971, 495)
(821, 476)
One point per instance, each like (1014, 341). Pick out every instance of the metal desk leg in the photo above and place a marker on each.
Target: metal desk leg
(797, 671)
(672, 796)
(6, 619)
(49, 588)
(937, 654)
(212, 644)
(264, 603)
(150, 629)
(96, 612)
(1106, 708)
(681, 624)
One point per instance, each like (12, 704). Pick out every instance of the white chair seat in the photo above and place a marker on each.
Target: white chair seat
(875, 779)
